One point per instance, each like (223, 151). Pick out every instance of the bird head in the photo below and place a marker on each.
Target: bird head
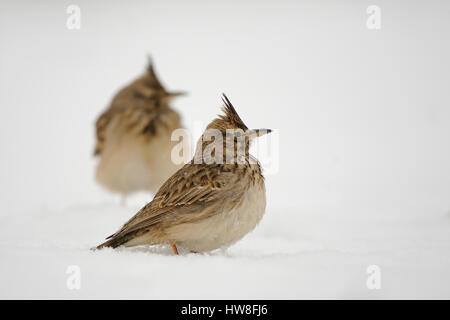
(227, 136)
(150, 87)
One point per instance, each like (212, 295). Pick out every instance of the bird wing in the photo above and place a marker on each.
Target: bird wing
(100, 128)
(136, 114)
(183, 197)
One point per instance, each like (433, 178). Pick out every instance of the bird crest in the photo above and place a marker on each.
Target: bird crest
(153, 80)
(230, 114)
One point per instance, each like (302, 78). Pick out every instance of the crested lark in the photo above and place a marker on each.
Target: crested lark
(210, 203)
(134, 137)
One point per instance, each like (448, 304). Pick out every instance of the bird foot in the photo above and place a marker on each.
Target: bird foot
(174, 248)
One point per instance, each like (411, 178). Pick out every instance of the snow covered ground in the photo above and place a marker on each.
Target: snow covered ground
(363, 118)
(291, 255)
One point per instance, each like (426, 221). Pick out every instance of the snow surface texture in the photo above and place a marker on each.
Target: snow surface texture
(363, 119)
(291, 255)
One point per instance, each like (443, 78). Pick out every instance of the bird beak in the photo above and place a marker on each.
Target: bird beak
(176, 94)
(254, 133)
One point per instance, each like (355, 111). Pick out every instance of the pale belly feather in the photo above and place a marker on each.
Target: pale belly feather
(136, 164)
(226, 228)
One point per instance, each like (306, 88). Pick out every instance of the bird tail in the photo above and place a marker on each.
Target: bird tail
(105, 244)
(118, 239)
(112, 243)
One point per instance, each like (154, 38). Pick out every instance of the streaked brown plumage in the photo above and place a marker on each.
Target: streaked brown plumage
(133, 137)
(203, 206)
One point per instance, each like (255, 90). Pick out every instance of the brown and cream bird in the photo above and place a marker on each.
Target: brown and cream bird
(211, 202)
(134, 137)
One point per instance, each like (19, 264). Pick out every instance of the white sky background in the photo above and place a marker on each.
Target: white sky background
(363, 115)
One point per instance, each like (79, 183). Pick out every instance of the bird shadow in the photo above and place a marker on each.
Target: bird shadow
(161, 250)
(166, 250)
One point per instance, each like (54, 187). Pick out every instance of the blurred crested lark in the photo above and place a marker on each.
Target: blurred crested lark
(133, 137)
(205, 205)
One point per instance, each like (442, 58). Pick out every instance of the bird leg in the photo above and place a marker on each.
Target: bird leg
(174, 247)
(123, 200)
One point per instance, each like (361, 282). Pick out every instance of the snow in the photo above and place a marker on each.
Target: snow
(291, 255)
(361, 177)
